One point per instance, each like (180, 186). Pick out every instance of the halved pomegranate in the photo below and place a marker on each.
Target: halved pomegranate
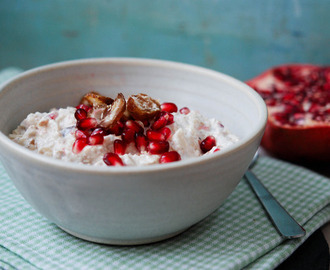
(298, 101)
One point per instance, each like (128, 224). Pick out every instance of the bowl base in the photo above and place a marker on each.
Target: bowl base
(123, 242)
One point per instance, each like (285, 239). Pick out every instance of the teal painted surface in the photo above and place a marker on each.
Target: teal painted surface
(238, 37)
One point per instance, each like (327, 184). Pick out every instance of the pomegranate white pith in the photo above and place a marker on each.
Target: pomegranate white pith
(76, 136)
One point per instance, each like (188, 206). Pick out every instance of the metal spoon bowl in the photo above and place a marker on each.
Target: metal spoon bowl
(286, 225)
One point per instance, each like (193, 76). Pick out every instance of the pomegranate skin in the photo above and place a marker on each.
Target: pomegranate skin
(308, 143)
(298, 145)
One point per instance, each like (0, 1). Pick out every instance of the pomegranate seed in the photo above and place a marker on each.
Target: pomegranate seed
(319, 117)
(298, 116)
(326, 86)
(87, 123)
(112, 159)
(128, 135)
(131, 124)
(170, 119)
(288, 96)
(160, 123)
(141, 142)
(281, 117)
(80, 114)
(314, 108)
(169, 107)
(158, 147)
(166, 132)
(84, 107)
(100, 131)
(168, 116)
(155, 135)
(53, 115)
(117, 129)
(95, 139)
(217, 149)
(79, 134)
(169, 157)
(271, 102)
(119, 147)
(207, 144)
(184, 110)
(327, 112)
(281, 74)
(78, 145)
(146, 123)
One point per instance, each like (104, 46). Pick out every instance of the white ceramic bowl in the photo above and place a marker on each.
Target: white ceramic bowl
(129, 205)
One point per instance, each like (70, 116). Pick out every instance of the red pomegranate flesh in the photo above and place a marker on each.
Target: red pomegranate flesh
(298, 101)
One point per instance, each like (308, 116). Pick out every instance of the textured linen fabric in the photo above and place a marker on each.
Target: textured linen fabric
(237, 235)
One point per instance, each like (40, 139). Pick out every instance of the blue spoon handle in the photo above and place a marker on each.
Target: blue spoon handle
(285, 224)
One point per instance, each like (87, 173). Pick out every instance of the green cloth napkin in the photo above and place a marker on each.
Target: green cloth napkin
(237, 235)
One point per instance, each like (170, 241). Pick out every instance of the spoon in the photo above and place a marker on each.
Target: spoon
(286, 225)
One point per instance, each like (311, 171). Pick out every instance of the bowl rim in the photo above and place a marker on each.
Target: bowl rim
(71, 166)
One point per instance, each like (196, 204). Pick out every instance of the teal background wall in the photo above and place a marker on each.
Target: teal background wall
(237, 37)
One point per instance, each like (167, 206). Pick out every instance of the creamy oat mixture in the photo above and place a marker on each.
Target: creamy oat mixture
(54, 134)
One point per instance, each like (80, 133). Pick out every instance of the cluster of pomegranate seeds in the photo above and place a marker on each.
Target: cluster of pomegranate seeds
(298, 95)
(88, 132)
(158, 134)
(148, 135)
